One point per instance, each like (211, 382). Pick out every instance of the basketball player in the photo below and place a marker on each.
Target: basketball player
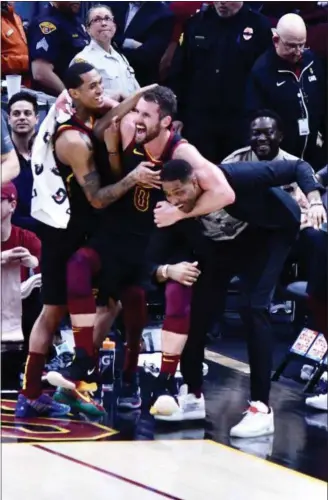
(74, 151)
(129, 222)
(252, 244)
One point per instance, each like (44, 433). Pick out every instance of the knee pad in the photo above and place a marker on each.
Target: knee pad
(81, 268)
(177, 309)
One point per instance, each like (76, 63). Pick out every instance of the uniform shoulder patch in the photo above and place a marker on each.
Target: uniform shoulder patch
(46, 27)
(78, 60)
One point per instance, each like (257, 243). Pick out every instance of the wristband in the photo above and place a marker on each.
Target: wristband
(315, 204)
(164, 271)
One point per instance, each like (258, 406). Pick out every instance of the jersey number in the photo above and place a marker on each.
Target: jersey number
(141, 199)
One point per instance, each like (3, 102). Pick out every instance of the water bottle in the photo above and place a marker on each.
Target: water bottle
(106, 364)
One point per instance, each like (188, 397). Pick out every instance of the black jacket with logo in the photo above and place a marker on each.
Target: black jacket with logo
(273, 84)
(216, 54)
(258, 201)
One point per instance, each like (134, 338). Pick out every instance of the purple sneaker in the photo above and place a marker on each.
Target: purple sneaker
(44, 406)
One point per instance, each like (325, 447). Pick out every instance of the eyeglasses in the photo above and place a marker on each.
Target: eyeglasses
(291, 45)
(98, 20)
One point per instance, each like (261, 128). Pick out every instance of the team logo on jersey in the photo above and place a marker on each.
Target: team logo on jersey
(248, 33)
(46, 27)
(38, 169)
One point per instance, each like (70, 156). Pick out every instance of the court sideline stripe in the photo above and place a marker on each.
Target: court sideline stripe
(106, 472)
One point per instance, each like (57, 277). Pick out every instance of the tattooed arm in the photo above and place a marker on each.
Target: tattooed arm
(75, 149)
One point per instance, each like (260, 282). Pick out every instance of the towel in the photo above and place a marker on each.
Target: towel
(50, 203)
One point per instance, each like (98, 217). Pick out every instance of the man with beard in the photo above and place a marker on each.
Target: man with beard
(252, 244)
(123, 236)
(75, 156)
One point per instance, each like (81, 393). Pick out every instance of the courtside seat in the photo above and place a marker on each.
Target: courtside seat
(296, 291)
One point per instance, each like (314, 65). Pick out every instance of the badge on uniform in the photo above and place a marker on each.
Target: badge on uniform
(46, 27)
(303, 126)
(248, 33)
(42, 44)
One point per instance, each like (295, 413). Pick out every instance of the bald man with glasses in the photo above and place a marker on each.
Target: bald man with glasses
(290, 80)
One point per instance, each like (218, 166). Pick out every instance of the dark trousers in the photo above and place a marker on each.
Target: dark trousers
(257, 256)
(214, 140)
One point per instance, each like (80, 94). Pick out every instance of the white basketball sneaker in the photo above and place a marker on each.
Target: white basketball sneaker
(184, 407)
(319, 402)
(258, 421)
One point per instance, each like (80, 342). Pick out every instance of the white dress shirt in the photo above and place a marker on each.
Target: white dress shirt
(116, 72)
(134, 7)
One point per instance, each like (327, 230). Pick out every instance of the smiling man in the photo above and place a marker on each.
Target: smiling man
(74, 154)
(23, 119)
(251, 239)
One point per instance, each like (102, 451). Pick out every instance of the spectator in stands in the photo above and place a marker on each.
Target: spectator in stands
(54, 38)
(218, 49)
(14, 51)
(117, 74)
(265, 137)
(9, 161)
(290, 81)
(143, 33)
(20, 251)
(23, 119)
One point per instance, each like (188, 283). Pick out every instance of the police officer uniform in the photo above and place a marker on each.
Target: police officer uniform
(116, 72)
(56, 37)
(209, 74)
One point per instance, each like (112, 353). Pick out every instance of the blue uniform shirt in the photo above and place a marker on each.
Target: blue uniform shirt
(56, 37)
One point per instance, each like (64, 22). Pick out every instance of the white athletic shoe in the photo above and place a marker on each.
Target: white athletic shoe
(319, 402)
(184, 407)
(256, 422)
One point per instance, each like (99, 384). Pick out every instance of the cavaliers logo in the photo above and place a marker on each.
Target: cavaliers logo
(48, 429)
(248, 33)
(141, 198)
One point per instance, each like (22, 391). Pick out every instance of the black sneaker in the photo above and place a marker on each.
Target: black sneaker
(81, 374)
(63, 357)
(129, 396)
